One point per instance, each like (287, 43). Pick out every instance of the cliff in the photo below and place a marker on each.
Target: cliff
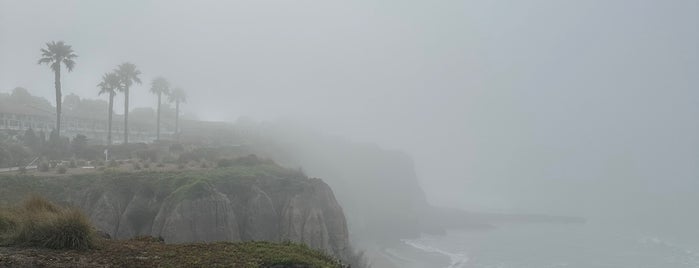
(239, 203)
(359, 173)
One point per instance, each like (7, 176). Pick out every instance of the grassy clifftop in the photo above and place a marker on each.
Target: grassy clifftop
(148, 252)
(41, 234)
(178, 183)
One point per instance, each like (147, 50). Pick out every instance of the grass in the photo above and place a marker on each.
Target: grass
(150, 252)
(38, 223)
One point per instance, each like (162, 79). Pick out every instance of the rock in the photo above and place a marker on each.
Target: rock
(209, 218)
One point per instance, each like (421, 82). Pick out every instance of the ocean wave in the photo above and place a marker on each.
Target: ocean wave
(457, 260)
(679, 254)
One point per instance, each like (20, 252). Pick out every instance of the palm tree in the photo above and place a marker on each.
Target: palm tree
(54, 54)
(109, 85)
(128, 74)
(159, 86)
(177, 96)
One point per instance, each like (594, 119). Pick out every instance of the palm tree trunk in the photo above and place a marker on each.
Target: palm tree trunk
(177, 118)
(157, 130)
(57, 83)
(109, 120)
(126, 115)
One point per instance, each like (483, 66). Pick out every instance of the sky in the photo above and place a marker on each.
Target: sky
(538, 106)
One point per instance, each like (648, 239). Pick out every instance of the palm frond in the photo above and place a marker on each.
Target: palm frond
(55, 66)
(44, 60)
(160, 85)
(70, 64)
(177, 95)
(109, 84)
(56, 53)
(128, 73)
(46, 53)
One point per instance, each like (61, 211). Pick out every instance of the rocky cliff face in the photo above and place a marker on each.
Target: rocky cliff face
(360, 174)
(236, 204)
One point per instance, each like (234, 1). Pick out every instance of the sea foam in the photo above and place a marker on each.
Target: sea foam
(457, 260)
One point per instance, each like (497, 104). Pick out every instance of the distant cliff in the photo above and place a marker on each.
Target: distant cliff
(378, 188)
(239, 203)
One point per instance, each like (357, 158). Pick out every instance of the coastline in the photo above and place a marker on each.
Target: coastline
(407, 253)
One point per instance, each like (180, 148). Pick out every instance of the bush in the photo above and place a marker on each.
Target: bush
(7, 223)
(252, 160)
(62, 170)
(43, 167)
(72, 164)
(169, 159)
(68, 229)
(38, 223)
(37, 204)
(147, 154)
(224, 162)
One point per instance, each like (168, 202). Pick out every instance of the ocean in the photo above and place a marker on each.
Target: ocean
(545, 246)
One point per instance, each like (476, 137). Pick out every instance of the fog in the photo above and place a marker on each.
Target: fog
(585, 108)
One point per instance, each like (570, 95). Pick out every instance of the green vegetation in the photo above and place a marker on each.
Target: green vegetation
(43, 167)
(38, 223)
(178, 183)
(150, 252)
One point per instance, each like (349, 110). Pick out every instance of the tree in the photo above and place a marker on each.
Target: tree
(79, 145)
(5, 156)
(128, 74)
(42, 139)
(71, 103)
(31, 140)
(177, 96)
(56, 147)
(159, 86)
(109, 85)
(21, 95)
(53, 55)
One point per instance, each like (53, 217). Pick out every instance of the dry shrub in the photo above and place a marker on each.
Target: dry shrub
(36, 204)
(38, 223)
(7, 221)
